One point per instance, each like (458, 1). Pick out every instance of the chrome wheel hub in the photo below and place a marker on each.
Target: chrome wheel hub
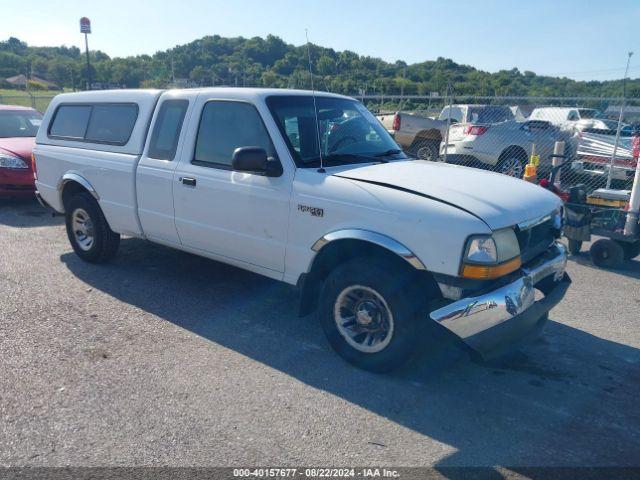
(511, 167)
(363, 318)
(82, 227)
(425, 153)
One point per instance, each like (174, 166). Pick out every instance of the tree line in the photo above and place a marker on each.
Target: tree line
(271, 62)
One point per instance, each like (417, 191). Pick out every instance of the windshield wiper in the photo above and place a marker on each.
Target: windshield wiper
(393, 151)
(342, 157)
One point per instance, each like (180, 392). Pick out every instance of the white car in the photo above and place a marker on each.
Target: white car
(312, 191)
(572, 119)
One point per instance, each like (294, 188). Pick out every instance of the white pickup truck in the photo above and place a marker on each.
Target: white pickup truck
(310, 190)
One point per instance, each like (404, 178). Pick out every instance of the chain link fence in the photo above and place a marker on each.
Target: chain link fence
(25, 99)
(503, 133)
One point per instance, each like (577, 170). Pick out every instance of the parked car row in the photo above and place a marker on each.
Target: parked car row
(500, 138)
(486, 136)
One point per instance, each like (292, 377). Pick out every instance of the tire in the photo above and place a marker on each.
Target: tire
(426, 150)
(607, 253)
(630, 249)
(89, 233)
(386, 312)
(575, 246)
(512, 163)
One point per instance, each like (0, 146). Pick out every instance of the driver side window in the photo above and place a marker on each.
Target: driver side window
(225, 126)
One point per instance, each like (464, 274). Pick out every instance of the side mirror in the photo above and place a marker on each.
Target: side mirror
(255, 160)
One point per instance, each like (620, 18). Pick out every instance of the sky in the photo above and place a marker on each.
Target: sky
(580, 39)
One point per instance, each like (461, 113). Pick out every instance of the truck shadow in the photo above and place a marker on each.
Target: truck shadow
(567, 399)
(630, 268)
(26, 213)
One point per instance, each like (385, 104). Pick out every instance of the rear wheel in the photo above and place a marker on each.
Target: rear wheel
(370, 315)
(425, 149)
(89, 233)
(512, 163)
(607, 253)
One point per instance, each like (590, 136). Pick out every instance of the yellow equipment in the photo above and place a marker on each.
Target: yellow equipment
(530, 173)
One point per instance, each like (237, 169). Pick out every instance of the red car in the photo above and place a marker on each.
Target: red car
(18, 128)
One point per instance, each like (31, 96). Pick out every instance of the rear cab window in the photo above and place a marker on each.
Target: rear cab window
(70, 121)
(108, 123)
(166, 131)
(489, 114)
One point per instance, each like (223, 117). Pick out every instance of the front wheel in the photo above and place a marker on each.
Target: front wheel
(89, 233)
(369, 314)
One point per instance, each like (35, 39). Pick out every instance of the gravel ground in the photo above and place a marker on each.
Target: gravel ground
(164, 358)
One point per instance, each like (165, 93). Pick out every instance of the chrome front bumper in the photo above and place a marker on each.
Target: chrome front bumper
(503, 316)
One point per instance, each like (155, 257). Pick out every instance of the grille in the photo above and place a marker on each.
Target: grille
(535, 240)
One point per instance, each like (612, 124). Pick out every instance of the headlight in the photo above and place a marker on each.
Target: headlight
(481, 249)
(491, 256)
(558, 219)
(9, 161)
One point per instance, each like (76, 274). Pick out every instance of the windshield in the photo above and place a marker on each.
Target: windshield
(19, 123)
(347, 131)
(489, 114)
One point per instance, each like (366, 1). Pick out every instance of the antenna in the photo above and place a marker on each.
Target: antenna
(315, 106)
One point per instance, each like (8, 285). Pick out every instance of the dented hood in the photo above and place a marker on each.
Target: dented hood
(500, 201)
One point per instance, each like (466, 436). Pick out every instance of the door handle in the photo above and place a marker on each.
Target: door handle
(188, 181)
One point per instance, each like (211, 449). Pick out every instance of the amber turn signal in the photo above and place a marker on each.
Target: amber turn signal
(489, 272)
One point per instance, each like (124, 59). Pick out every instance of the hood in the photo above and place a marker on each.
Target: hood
(498, 200)
(19, 146)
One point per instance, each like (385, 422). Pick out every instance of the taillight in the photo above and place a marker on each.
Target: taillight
(475, 130)
(397, 121)
(34, 166)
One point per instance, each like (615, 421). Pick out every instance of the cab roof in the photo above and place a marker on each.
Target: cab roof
(227, 92)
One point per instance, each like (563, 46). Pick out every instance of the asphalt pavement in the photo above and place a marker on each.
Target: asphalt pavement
(165, 358)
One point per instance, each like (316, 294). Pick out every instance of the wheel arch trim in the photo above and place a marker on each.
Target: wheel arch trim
(427, 134)
(76, 177)
(512, 148)
(375, 238)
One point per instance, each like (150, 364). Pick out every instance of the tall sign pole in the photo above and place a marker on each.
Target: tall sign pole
(85, 27)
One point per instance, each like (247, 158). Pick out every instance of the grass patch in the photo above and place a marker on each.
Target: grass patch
(39, 99)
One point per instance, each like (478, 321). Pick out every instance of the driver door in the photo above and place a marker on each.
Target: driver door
(238, 217)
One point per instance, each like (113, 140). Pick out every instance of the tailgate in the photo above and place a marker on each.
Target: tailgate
(456, 132)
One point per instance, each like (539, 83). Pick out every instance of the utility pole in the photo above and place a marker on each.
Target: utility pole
(173, 73)
(622, 106)
(446, 136)
(85, 27)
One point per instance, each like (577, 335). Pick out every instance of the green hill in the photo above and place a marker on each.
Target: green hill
(215, 60)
